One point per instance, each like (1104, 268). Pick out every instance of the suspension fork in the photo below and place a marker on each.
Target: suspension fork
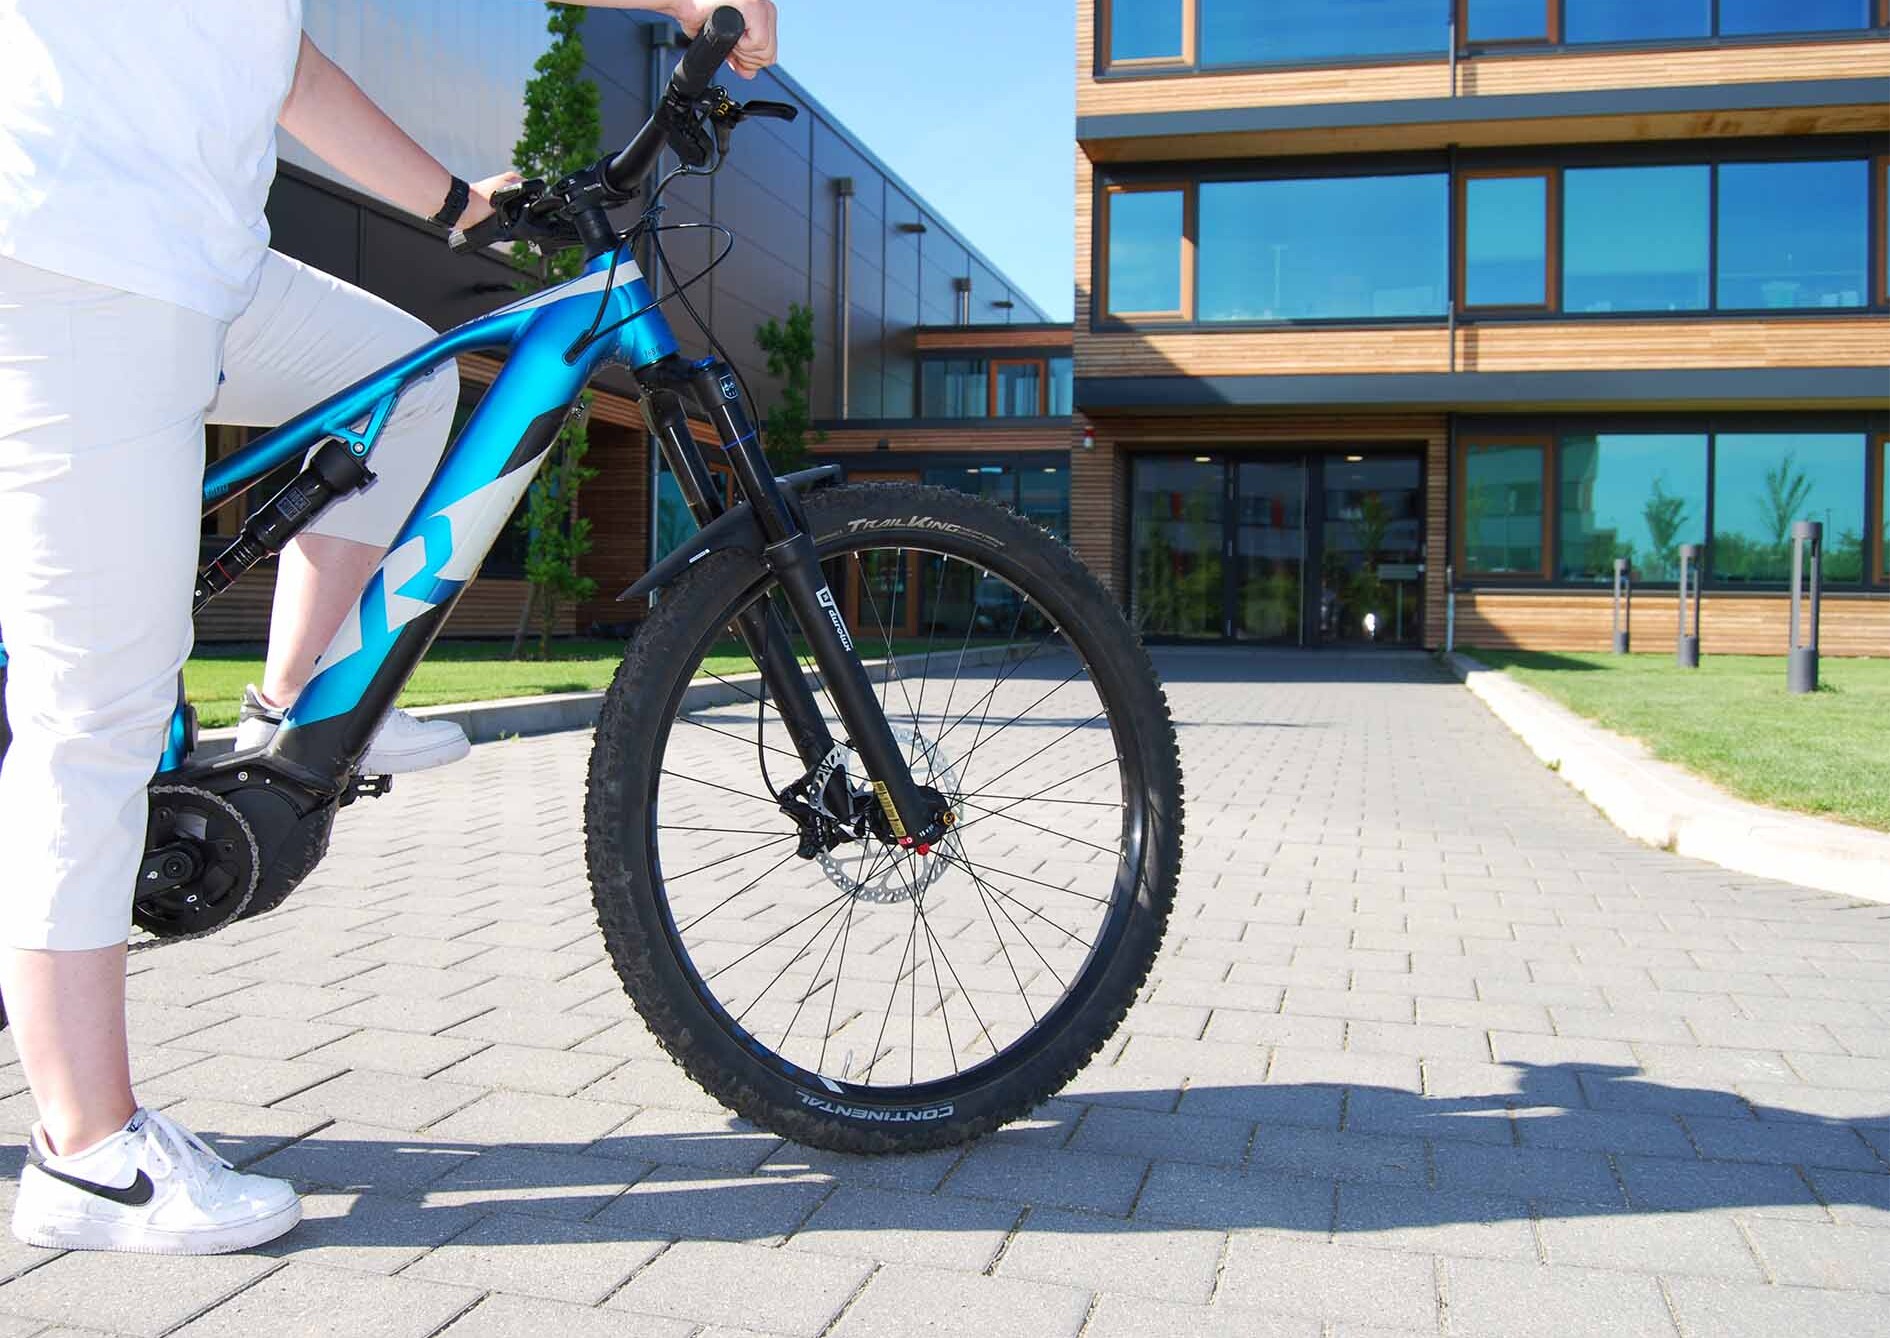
(792, 558)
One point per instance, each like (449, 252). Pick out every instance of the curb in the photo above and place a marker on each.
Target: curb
(560, 712)
(1665, 806)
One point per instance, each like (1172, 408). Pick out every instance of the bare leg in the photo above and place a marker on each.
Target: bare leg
(319, 580)
(67, 1011)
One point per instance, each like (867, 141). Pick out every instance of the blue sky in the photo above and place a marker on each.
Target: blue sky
(973, 102)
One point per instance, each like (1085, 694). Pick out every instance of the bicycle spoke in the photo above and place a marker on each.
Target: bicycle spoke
(745, 887)
(1047, 831)
(678, 877)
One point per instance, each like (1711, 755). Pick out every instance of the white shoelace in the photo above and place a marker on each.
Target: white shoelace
(174, 1147)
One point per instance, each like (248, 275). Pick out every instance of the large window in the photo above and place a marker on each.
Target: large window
(1038, 491)
(1144, 35)
(1883, 510)
(1794, 234)
(1636, 238)
(1323, 248)
(1765, 481)
(1146, 232)
(1637, 496)
(1291, 32)
(1506, 243)
(955, 388)
(1500, 507)
(1635, 20)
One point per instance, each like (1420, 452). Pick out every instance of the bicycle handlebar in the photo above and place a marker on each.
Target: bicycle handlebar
(694, 73)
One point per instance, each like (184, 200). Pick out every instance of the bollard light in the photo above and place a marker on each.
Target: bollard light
(1801, 664)
(1450, 608)
(1623, 605)
(1686, 652)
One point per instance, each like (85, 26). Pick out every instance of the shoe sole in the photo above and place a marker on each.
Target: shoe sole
(79, 1233)
(401, 764)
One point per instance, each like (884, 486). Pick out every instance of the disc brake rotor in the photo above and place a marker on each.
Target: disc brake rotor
(226, 848)
(876, 874)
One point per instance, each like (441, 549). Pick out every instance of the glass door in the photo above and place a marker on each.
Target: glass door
(1178, 578)
(1371, 533)
(1269, 549)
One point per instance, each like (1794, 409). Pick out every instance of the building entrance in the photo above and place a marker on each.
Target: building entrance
(1288, 548)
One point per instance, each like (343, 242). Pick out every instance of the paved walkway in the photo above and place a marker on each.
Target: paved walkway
(1431, 1049)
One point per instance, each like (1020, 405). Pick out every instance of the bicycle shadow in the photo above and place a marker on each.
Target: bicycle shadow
(1566, 1141)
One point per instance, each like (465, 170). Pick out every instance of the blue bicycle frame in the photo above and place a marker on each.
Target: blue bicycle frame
(475, 490)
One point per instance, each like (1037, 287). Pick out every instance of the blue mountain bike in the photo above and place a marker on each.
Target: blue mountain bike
(882, 868)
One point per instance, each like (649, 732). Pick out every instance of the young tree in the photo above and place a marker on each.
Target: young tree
(1783, 498)
(790, 350)
(1663, 514)
(562, 132)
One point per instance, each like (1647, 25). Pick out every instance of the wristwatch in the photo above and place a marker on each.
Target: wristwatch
(457, 196)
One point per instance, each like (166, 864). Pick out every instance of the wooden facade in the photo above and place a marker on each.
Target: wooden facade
(1133, 373)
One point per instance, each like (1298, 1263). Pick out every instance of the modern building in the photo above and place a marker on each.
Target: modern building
(817, 218)
(1380, 299)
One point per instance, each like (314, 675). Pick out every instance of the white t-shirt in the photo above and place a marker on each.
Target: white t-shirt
(138, 141)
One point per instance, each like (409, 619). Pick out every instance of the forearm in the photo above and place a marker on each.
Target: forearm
(340, 124)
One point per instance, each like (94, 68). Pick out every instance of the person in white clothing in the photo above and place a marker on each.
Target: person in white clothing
(138, 300)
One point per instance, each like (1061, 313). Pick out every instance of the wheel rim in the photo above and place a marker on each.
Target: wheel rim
(877, 976)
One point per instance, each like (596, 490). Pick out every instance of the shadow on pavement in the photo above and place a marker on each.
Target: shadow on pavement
(1567, 1142)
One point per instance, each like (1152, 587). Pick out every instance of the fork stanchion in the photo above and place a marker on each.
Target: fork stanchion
(1623, 605)
(1686, 651)
(1801, 665)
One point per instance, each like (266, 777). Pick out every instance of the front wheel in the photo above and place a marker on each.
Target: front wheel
(869, 998)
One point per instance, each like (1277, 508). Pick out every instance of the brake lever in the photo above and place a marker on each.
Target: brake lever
(769, 111)
(509, 205)
(727, 114)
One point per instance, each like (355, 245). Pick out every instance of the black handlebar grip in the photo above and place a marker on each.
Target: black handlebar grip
(713, 45)
(476, 238)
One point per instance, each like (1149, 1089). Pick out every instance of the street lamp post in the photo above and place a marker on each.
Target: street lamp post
(1623, 605)
(1801, 672)
(1687, 647)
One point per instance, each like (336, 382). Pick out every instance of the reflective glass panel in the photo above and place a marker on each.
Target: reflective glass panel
(1764, 481)
(1370, 586)
(1635, 238)
(1502, 508)
(1269, 549)
(1176, 542)
(1635, 20)
(1019, 389)
(1145, 251)
(1144, 29)
(1323, 248)
(1271, 32)
(1507, 20)
(1506, 241)
(1062, 387)
(1794, 234)
(955, 388)
(1739, 17)
(1633, 496)
(994, 483)
(1044, 496)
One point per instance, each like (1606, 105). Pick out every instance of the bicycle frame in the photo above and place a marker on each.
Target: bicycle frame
(480, 479)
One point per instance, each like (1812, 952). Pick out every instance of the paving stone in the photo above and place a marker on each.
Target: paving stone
(524, 1119)
(1335, 1282)
(1087, 1180)
(504, 1316)
(1784, 1143)
(688, 1138)
(374, 1233)
(249, 1082)
(1602, 1131)
(302, 1298)
(798, 1293)
(409, 1054)
(1668, 1185)
(141, 1294)
(364, 1157)
(534, 1256)
(1308, 1106)
(1508, 1300)
(1096, 1254)
(1813, 1254)
(1423, 1221)
(1136, 1317)
(1319, 1154)
(520, 1069)
(384, 1099)
(535, 1182)
(1699, 1244)
(1219, 1197)
(915, 1171)
(1551, 1173)
(1154, 1137)
(530, 1027)
(266, 1037)
(1854, 1199)
(936, 1230)
(931, 1303)
(679, 1202)
(1744, 1310)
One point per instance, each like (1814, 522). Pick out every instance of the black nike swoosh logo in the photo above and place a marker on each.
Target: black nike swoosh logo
(134, 1195)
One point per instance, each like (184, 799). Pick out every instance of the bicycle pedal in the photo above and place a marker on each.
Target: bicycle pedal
(366, 787)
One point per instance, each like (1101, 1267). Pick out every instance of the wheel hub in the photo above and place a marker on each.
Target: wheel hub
(888, 876)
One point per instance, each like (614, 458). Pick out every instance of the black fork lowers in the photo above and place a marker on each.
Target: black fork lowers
(790, 556)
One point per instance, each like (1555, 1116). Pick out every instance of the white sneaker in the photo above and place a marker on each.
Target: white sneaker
(402, 743)
(151, 1188)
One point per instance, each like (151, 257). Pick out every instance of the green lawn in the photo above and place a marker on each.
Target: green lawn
(462, 671)
(1733, 722)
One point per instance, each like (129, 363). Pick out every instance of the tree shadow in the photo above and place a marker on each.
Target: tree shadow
(1562, 1142)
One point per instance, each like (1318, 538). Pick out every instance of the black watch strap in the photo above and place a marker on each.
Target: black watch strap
(457, 197)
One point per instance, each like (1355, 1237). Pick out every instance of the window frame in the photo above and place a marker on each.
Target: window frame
(1189, 191)
(1043, 385)
(1105, 40)
(1544, 441)
(1880, 227)
(1551, 242)
(1877, 493)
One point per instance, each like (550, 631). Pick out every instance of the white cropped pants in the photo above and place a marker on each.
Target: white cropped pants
(103, 398)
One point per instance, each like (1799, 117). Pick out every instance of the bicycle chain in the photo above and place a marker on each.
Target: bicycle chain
(255, 859)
